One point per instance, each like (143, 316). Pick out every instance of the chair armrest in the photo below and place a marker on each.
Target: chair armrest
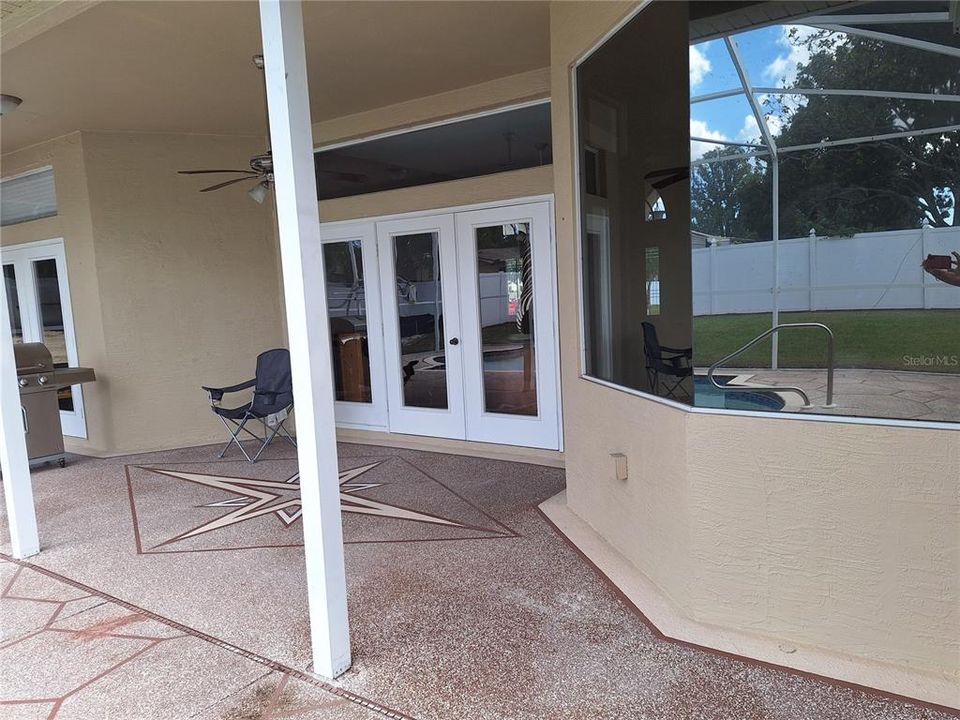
(686, 352)
(216, 394)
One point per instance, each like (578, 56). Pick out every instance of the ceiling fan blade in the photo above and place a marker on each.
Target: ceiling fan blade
(670, 180)
(204, 172)
(660, 179)
(224, 184)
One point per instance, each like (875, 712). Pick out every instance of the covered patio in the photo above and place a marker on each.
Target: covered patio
(161, 594)
(473, 522)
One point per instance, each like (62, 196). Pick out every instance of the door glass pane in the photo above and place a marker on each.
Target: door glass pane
(505, 284)
(51, 321)
(346, 306)
(420, 310)
(13, 302)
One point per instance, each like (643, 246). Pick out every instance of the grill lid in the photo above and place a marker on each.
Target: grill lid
(32, 358)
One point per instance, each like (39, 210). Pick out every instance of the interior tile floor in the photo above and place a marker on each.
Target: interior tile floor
(171, 585)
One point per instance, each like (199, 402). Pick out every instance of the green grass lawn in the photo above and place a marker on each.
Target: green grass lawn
(864, 339)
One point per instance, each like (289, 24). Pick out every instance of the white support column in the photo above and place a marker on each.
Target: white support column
(17, 486)
(298, 221)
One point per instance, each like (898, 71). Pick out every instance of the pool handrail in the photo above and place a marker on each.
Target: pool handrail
(788, 388)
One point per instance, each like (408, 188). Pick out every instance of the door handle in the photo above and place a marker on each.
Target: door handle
(454, 341)
(26, 422)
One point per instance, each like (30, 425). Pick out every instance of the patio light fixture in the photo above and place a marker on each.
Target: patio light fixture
(259, 191)
(9, 103)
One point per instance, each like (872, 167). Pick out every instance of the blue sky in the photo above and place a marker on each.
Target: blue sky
(770, 59)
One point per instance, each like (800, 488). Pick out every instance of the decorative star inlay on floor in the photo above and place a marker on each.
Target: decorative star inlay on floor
(255, 498)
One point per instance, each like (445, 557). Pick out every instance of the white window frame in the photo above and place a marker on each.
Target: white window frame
(22, 257)
(578, 236)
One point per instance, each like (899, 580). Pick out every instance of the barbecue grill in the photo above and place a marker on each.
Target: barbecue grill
(39, 382)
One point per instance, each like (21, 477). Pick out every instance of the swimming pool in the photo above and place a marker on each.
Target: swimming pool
(708, 395)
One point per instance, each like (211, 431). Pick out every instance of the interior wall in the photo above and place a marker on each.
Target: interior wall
(73, 224)
(840, 537)
(636, 144)
(188, 282)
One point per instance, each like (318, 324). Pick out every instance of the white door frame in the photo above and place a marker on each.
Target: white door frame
(449, 422)
(22, 257)
(541, 430)
(378, 418)
(358, 414)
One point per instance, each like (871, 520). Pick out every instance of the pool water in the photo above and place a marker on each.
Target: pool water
(707, 395)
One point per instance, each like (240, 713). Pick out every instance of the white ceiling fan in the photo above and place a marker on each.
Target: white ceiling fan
(261, 166)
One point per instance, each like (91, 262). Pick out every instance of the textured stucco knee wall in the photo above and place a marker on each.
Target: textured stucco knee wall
(839, 537)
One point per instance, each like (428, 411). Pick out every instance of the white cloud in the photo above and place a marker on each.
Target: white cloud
(700, 66)
(699, 128)
(750, 132)
(783, 69)
(793, 41)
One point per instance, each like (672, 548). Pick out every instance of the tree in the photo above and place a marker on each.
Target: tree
(719, 192)
(883, 185)
(869, 186)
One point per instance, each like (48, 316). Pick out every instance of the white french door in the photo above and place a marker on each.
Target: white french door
(38, 296)
(421, 326)
(508, 319)
(444, 325)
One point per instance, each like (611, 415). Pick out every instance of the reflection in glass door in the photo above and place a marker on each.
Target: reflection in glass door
(505, 295)
(416, 263)
(35, 280)
(13, 302)
(419, 290)
(353, 308)
(508, 325)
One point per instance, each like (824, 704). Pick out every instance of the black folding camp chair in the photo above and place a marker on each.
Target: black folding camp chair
(667, 367)
(271, 403)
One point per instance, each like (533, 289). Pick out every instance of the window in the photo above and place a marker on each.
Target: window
(27, 197)
(509, 140)
(822, 196)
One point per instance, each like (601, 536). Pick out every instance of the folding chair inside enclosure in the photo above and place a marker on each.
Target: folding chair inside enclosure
(269, 405)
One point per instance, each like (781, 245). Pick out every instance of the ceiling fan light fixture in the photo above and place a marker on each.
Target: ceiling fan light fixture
(259, 191)
(9, 103)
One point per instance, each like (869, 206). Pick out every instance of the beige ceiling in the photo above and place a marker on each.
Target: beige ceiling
(186, 66)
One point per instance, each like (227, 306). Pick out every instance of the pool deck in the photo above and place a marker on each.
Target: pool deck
(866, 393)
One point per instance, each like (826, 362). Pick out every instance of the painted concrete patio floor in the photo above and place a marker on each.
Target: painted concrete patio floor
(159, 594)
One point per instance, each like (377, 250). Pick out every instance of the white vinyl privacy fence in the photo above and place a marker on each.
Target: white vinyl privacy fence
(867, 271)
